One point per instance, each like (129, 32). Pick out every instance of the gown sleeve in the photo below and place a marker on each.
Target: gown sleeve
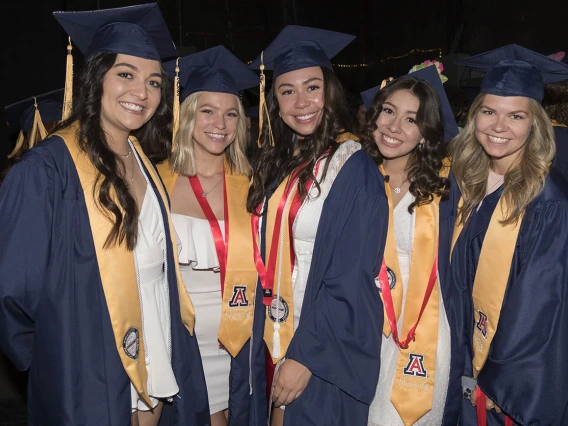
(338, 338)
(525, 373)
(26, 230)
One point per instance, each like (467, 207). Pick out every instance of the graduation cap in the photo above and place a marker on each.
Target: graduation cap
(135, 30)
(212, 70)
(430, 75)
(297, 47)
(516, 71)
(30, 115)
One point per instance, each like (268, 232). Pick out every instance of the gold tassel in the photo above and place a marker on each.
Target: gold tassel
(262, 108)
(68, 97)
(38, 129)
(176, 108)
(19, 144)
(385, 81)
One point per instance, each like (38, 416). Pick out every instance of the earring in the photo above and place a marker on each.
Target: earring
(420, 146)
(279, 114)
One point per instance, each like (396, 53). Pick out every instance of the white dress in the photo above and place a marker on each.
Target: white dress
(151, 266)
(200, 271)
(306, 223)
(382, 412)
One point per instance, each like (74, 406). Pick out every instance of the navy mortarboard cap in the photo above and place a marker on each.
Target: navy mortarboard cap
(297, 47)
(516, 71)
(136, 30)
(252, 111)
(20, 115)
(212, 70)
(430, 75)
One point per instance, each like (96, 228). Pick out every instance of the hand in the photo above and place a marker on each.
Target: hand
(489, 405)
(290, 381)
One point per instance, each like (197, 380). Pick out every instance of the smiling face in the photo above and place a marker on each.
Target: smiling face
(300, 96)
(502, 126)
(397, 133)
(216, 122)
(131, 95)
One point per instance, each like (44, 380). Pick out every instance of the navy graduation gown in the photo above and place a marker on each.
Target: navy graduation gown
(339, 335)
(561, 159)
(54, 321)
(525, 373)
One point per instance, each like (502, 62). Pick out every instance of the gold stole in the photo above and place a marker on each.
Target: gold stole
(117, 269)
(241, 275)
(413, 385)
(491, 278)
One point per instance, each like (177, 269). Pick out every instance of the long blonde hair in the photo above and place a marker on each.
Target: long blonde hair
(182, 160)
(522, 183)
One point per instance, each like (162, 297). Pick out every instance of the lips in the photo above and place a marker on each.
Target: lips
(216, 136)
(306, 118)
(497, 140)
(132, 107)
(392, 142)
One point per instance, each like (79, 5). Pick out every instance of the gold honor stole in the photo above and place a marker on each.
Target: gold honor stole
(117, 268)
(413, 385)
(240, 277)
(491, 278)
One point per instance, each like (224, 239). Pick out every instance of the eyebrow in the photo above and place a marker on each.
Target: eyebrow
(511, 112)
(214, 107)
(134, 68)
(308, 81)
(394, 106)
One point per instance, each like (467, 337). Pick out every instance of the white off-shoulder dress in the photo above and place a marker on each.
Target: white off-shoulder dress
(200, 271)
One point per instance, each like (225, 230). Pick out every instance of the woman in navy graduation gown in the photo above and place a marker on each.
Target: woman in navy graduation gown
(509, 259)
(92, 301)
(319, 205)
(409, 122)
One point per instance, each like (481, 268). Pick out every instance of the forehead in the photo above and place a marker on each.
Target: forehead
(149, 66)
(404, 100)
(299, 76)
(506, 103)
(218, 100)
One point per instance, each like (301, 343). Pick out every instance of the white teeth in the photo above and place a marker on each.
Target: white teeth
(392, 141)
(216, 136)
(306, 117)
(495, 139)
(131, 106)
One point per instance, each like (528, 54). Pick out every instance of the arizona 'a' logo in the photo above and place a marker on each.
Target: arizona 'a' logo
(415, 366)
(482, 323)
(239, 297)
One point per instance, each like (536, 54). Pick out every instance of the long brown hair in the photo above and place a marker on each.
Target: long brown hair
(276, 163)
(425, 162)
(92, 140)
(522, 183)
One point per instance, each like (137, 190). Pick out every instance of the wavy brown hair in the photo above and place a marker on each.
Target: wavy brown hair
(92, 140)
(276, 163)
(426, 161)
(522, 183)
(555, 102)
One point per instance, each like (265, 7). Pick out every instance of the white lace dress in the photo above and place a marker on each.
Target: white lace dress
(382, 411)
(151, 266)
(200, 271)
(306, 223)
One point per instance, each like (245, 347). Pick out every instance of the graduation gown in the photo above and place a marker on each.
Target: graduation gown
(338, 337)
(525, 370)
(54, 318)
(561, 159)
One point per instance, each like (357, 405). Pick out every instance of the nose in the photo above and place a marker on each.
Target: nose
(140, 89)
(219, 122)
(395, 125)
(302, 101)
(499, 125)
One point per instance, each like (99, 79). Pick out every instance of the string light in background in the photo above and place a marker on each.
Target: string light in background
(390, 58)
